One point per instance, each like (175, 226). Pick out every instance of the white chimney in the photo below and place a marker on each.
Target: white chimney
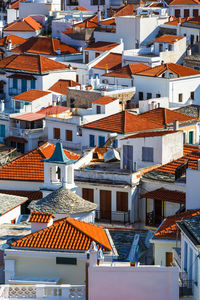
(176, 125)
(9, 45)
(99, 14)
(40, 220)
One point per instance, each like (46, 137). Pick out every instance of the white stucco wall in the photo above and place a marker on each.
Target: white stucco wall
(10, 215)
(161, 247)
(192, 189)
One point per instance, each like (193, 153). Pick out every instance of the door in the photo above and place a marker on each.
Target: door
(186, 13)
(169, 259)
(191, 137)
(177, 13)
(158, 212)
(128, 157)
(88, 194)
(105, 204)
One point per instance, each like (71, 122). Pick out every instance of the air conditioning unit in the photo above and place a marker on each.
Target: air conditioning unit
(105, 81)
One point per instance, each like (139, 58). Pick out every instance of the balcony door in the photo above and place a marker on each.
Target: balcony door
(158, 208)
(105, 204)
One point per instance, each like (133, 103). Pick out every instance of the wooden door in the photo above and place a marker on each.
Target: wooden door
(177, 13)
(105, 204)
(158, 212)
(88, 194)
(169, 259)
(186, 13)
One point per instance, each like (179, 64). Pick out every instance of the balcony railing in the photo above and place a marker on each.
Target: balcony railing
(113, 216)
(19, 132)
(186, 288)
(153, 220)
(42, 292)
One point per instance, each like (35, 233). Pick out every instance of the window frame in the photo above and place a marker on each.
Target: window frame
(55, 134)
(144, 154)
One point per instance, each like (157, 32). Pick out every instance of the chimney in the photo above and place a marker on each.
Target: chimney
(40, 220)
(58, 51)
(176, 125)
(9, 45)
(189, 51)
(99, 14)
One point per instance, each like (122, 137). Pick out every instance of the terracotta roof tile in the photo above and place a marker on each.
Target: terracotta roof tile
(36, 64)
(81, 8)
(29, 117)
(31, 195)
(168, 38)
(40, 217)
(101, 46)
(44, 45)
(31, 95)
(16, 40)
(126, 10)
(90, 22)
(128, 70)
(53, 110)
(168, 229)
(184, 2)
(104, 100)
(29, 166)
(61, 86)
(176, 21)
(26, 24)
(166, 195)
(110, 21)
(123, 122)
(149, 134)
(178, 70)
(66, 234)
(164, 116)
(111, 62)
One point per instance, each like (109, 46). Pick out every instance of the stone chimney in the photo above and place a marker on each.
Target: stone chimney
(40, 220)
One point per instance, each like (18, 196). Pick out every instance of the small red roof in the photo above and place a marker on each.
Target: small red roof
(81, 8)
(149, 134)
(29, 117)
(128, 70)
(166, 195)
(104, 100)
(101, 46)
(168, 38)
(110, 21)
(61, 86)
(15, 40)
(168, 229)
(90, 22)
(111, 62)
(126, 10)
(53, 110)
(184, 2)
(40, 217)
(31, 95)
(26, 24)
(66, 234)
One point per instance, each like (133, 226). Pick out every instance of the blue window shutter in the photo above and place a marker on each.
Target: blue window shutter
(24, 85)
(2, 130)
(15, 83)
(91, 137)
(147, 154)
(101, 141)
(32, 84)
(115, 143)
(128, 157)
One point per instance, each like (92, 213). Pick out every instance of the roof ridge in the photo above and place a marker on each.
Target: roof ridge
(40, 63)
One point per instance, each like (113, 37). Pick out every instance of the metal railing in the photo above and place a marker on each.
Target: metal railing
(153, 220)
(186, 288)
(113, 216)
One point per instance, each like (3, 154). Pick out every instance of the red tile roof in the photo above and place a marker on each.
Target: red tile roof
(61, 86)
(126, 10)
(53, 110)
(31, 95)
(30, 167)
(29, 117)
(102, 46)
(90, 22)
(184, 2)
(168, 229)
(35, 64)
(26, 24)
(31, 195)
(15, 4)
(128, 70)
(81, 8)
(110, 21)
(66, 234)
(178, 70)
(111, 62)
(168, 38)
(149, 134)
(16, 40)
(166, 195)
(104, 100)
(44, 45)
(164, 116)
(123, 122)
(176, 21)
(40, 217)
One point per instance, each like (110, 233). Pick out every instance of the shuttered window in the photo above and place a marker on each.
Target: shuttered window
(68, 134)
(122, 201)
(91, 138)
(147, 154)
(88, 194)
(101, 141)
(56, 133)
(2, 130)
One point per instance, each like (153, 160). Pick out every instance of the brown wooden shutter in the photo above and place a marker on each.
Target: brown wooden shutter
(68, 135)
(122, 201)
(56, 133)
(88, 194)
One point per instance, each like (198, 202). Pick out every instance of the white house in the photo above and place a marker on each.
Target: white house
(184, 9)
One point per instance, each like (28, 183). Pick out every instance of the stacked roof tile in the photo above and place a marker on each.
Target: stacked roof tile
(15, 40)
(168, 38)
(128, 70)
(166, 195)
(61, 86)
(111, 62)
(26, 24)
(40, 217)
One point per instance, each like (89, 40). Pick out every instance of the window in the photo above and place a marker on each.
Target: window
(192, 95)
(115, 143)
(91, 140)
(170, 47)
(190, 267)
(191, 137)
(88, 194)
(196, 270)
(186, 13)
(68, 135)
(180, 97)
(24, 85)
(97, 54)
(101, 141)
(66, 261)
(149, 95)
(72, 102)
(86, 57)
(185, 256)
(160, 47)
(15, 83)
(122, 201)
(98, 109)
(195, 12)
(177, 13)
(56, 133)
(158, 95)
(169, 259)
(17, 104)
(184, 137)
(2, 130)
(141, 97)
(32, 84)
(147, 154)
(192, 39)
(128, 157)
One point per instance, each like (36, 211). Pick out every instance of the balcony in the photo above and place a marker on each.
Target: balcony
(19, 132)
(113, 216)
(185, 286)
(153, 220)
(59, 292)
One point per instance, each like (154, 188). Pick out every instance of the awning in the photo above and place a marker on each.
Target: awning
(165, 195)
(15, 139)
(22, 76)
